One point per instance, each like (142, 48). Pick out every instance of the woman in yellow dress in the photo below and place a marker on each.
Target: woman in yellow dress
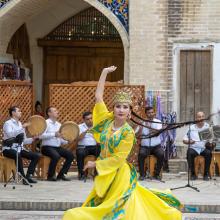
(116, 193)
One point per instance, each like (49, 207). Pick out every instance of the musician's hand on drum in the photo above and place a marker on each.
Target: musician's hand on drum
(35, 138)
(26, 124)
(192, 141)
(210, 145)
(110, 69)
(90, 164)
(58, 134)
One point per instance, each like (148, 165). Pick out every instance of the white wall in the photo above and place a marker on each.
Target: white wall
(42, 24)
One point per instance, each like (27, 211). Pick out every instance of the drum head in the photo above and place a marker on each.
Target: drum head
(38, 125)
(69, 131)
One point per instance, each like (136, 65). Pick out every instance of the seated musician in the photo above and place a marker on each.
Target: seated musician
(12, 128)
(150, 146)
(86, 144)
(197, 147)
(51, 146)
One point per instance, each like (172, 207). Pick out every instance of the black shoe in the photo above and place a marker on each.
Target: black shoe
(81, 177)
(141, 178)
(25, 182)
(193, 177)
(53, 178)
(157, 177)
(62, 177)
(206, 178)
(30, 180)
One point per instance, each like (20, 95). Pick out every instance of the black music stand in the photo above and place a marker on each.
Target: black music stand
(17, 177)
(188, 171)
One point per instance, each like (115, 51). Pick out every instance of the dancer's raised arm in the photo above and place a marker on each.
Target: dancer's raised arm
(101, 84)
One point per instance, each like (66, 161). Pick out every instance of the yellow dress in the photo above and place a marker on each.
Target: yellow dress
(116, 193)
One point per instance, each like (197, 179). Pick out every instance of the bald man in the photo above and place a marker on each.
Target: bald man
(197, 147)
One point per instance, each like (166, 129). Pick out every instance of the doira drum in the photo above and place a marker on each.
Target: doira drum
(37, 125)
(69, 131)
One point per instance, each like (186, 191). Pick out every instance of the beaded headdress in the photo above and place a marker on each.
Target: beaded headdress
(122, 97)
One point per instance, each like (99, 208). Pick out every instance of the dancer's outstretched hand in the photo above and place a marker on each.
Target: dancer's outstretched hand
(110, 69)
(90, 164)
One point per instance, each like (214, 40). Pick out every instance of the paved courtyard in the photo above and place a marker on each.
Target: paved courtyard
(56, 215)
(47, 200)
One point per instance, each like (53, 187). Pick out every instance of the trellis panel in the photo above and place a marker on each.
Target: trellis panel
(15, 93)
(73, 99)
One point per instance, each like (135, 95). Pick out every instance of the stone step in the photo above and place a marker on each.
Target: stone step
(46, 215)
(201, 216)
(62, 206)
(181, 150)
(177, 165)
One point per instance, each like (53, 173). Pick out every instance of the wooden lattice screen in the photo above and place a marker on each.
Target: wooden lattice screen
(73, 99)
(15, 93)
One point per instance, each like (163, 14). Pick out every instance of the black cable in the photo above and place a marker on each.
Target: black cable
(179, 123)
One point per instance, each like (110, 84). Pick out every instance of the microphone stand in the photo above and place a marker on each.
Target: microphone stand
(188, 185)
(17, 177)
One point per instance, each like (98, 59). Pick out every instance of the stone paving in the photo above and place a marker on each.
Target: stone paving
(58, 196)
(57, 215)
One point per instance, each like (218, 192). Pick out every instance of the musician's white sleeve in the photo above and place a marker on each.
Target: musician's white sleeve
(28, 141)
(10, 132)
(63, 142)
(47, 135)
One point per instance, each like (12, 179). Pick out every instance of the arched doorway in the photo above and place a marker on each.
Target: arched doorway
(79, 48)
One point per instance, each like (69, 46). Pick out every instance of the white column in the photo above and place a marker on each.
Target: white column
(216, 83)
(37, 61)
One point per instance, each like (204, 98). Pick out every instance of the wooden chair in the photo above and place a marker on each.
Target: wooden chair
(1, 169)
(90, 171)
(7, 167)
(199, 165)
(150, 165)
(215, 163)
(43, 165)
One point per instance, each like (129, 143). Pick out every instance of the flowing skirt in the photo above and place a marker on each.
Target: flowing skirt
(125, 199)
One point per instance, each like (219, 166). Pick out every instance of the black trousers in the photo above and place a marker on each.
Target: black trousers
(32, 156)
(191, 154)
(55, 153)
(82, 152)
(157, 151)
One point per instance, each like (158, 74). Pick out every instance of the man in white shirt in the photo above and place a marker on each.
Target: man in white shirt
(51, 146)
(197, 147)
(11, 129)
(150, 146)
(87, 144)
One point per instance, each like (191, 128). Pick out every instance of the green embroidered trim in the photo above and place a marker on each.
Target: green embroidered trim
(168, 198)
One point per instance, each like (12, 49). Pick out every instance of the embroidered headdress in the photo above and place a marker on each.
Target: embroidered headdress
(122, 97)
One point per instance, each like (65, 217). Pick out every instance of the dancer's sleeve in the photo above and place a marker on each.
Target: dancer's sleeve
(100, 116)
(101, 113)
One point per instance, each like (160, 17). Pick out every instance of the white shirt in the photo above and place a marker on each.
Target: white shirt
(12, 128)
(193, 133)
(49, 138)
(88, 139)
(154, 141)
